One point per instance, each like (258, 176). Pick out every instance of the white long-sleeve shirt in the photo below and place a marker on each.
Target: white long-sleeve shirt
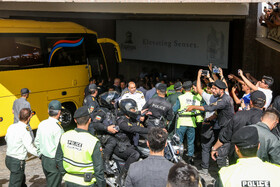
(48, 136)
(19, 141)
(137, 96)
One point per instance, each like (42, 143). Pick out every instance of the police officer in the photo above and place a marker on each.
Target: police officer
(225, 111)
(199, 117)
(78, 154)
(171, 90)
(21, 103)
(241, 119)
(134, 94)
(172, 99)
(19, 142)
(128, 127)
(91, 102)
(104, 122)
(249, 170)
(178, 91)
(47, 139)
(159, 108)
(186, 121)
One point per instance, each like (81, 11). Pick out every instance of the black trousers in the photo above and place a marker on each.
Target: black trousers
(129, 154)
(16, 167)
(208, 137)
(109, 143)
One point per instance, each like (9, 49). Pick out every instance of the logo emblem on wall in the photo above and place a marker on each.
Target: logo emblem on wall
(63, 43)
(128, 42)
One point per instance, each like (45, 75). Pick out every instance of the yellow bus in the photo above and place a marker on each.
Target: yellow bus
(54, 60)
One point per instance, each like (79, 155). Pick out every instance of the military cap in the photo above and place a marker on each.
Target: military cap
(220, 84)
(162, 87)
(81, 112)
(258, 96)
(157, 85)
(24, 91)
(55, 105)
(177, 85)
(92, 87)
(187, 85)
(245, 136)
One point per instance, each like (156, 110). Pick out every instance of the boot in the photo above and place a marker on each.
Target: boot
(107, 167)
(121, 178)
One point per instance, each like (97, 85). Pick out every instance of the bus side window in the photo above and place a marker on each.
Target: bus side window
(95, 57)
(67, 55)
(20, 53)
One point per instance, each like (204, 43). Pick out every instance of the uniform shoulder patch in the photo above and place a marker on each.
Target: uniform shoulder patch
(129, 124)
(93, 99)
(138, 91)
(98, 118)
(27, 128)
(142, 97)
(126, 92)
(91, 108)
(59, 124)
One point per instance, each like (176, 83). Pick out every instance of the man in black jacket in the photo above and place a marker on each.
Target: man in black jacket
(224, 108)
(239, 120)
(104, 121)
(129, 126)
(160, 109)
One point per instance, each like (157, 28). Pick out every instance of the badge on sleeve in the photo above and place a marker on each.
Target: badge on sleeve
(27, 128)
(143, 97)
(91, 108)
(98, 118)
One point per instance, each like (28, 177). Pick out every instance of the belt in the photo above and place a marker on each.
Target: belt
(79, 175)
(187, 115)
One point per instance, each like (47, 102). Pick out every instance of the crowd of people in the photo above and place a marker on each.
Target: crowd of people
(233, 120)
(271, 18)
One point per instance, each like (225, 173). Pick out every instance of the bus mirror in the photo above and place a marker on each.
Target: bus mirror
(117, 56)
(116, 45)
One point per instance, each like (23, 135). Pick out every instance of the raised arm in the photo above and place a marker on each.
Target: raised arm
(223, 78)
(235, 98)
(215, 77)
(231, 76)
(198, 82)
(252, 86)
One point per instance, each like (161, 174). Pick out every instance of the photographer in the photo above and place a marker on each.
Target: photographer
(264, 85)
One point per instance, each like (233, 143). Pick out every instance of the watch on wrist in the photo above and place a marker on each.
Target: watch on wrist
(213, 149)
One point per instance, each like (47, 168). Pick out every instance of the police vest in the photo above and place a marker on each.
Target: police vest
(77, 148)
(250, 172)
(199, 117)
(187, 118)
(170, 90)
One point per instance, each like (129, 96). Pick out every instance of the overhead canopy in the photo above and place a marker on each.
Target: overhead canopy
(192, 7)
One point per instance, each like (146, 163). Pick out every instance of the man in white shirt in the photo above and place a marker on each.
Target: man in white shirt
(47, 139)
(134, 94)
(264, 85)
(19, 142)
